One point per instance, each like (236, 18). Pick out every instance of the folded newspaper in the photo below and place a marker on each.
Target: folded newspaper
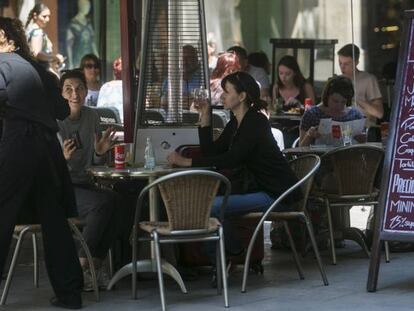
(354, 127)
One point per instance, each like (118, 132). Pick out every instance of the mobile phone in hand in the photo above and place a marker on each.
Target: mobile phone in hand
(77, 140)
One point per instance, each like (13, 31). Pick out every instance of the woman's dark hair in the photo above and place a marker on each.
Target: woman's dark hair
(259, 59)
(227, 63)
(291, 63)
(13, 30)
(72, 74)
(89, 57)
(340, 85)
(243, 82)
(37, 9)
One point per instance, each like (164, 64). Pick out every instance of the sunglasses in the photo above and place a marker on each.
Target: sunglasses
(90, 66)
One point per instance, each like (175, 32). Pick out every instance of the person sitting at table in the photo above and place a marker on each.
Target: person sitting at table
(260, 59)
(246, 142)
(336, 104)
(368, 98)
(191, 78)
(110, 94)
(83, 146)
(259, 74)
(291, 86)
(91, 68)
(227, 63)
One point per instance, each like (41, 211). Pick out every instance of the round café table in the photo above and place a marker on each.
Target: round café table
(111, 174)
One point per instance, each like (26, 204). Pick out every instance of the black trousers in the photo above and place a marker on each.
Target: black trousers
(31, 182)
(98, 208)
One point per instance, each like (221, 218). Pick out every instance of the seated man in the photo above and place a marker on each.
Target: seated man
(191, 78)
(368, 97)
(83, 145)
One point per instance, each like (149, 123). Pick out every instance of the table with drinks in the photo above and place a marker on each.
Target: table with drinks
(105, 174)
(149, 171)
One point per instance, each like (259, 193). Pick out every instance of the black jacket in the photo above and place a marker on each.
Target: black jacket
(253, 146)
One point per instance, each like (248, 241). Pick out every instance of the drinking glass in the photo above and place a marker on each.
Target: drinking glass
(346, 131)
(200, 95)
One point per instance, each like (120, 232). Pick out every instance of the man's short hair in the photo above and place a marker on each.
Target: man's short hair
(346, 51)
(240, 52)
(73, 74)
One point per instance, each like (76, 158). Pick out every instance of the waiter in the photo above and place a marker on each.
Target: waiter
(34, 180)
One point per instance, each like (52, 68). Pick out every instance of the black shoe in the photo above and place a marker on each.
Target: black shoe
(65, 305)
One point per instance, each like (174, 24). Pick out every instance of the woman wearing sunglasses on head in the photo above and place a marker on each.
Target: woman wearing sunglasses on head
(246, 142)
(91, 68)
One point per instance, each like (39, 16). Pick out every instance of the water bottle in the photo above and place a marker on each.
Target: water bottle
(149, 156)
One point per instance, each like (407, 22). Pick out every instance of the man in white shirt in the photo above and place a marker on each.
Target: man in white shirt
(368, 97)
(259, 74)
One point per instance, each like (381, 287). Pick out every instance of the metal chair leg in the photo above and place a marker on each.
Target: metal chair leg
(13, 265)
(387, 251)
(218, 268)
(293, 248)
(248, 255)
(331, 232)
(159, 269)
(316, 251)
(223, 267)
(134, 269)
(35, 261)
(85, 248)
(111, 263)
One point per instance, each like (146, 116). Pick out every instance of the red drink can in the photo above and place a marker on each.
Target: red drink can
(336, 131)
(308, 103)
(119, 154)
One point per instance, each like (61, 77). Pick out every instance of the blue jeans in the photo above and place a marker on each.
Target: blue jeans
(237, 205)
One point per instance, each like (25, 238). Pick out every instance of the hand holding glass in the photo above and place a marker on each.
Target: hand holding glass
(200, 99)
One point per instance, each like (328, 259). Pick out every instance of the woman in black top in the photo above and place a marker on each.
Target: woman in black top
(246, 142)
(291, 85)
(34, 180)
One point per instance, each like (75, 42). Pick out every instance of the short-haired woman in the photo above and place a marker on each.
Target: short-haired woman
(336, 104)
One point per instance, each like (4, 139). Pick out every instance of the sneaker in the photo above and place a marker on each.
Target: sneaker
(87, 281)
(102, 277)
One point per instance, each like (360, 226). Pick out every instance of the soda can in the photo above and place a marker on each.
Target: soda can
(336, 131)
(119, 154)
(308, 103)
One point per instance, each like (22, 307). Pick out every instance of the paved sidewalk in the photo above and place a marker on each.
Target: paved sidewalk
(278, 289)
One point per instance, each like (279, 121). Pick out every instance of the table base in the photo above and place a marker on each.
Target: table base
(148, 266)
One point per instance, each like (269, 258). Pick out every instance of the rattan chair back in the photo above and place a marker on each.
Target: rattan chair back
(354, 168)
(188, 200)
(301, 167)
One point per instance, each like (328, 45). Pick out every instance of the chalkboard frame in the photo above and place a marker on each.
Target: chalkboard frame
(379, 234)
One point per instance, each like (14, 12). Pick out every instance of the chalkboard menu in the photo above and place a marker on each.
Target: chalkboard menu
(395, 211)
(399, 201)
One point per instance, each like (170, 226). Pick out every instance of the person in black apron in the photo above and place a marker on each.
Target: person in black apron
(35, 186)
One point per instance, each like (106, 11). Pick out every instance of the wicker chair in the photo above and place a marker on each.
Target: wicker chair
(20, 232)
(352, 171)
(188, 197)
(305, 168)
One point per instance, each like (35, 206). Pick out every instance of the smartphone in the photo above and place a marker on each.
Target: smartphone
(76, 138)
